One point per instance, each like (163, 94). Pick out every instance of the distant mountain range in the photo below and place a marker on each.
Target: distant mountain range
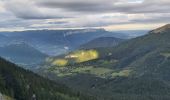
(137, 69)
(30, 48)
(129, 34)
(101, 42)
(56, 42)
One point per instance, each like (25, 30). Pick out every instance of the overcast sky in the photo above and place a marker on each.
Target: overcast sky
(59, 14)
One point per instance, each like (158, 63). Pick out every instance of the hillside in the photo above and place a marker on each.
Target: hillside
(2, 37)
(22, 54)
(129, 34)
(4, 40)
(21, 84)
(137, 69)
(101, 42)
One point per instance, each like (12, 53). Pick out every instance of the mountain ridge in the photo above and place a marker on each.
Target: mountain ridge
(137, 68)
(161, 29)
(53, 42)
(101, 42)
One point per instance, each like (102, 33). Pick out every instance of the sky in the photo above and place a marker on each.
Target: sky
(75, 14)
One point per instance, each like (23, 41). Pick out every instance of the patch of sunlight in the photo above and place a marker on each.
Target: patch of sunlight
(166, 54)
(83, 55)
(59, 62)
(124, 73)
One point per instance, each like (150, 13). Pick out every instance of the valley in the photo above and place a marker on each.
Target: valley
(84, 50)
(133, 68)
(136, 67)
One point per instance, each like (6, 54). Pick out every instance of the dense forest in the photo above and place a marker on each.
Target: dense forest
(21, 84)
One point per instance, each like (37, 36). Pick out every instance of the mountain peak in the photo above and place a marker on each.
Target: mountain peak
(162, 29)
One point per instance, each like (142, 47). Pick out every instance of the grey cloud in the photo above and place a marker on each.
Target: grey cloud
(59, 22)
(14, 23)
(79, 6)
(159, 19)
(27, 10)
(107, 6)
(39, 11)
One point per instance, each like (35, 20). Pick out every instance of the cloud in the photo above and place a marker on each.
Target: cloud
(79, 5)
(150, 18)
(26, 9)
(108, 6)
(39, 14)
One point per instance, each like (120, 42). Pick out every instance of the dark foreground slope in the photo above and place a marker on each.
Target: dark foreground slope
(20, 84)
(138, 69)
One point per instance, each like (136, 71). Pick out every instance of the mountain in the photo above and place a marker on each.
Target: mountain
(3, 40)
(19, 84)
(22, 54)
(56, 42)
(129, 34)
(101, 42)
(137, 69)
(163, 29)
(2, 37)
